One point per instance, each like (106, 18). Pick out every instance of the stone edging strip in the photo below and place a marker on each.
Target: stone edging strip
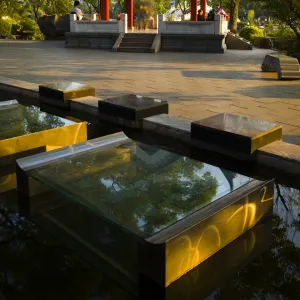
(19, 87)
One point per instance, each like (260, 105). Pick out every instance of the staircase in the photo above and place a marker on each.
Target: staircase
(137, 42)
(236, 42)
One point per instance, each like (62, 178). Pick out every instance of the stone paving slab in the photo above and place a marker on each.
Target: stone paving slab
(196, 85)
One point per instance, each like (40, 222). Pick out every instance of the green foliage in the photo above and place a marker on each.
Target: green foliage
(251, 16)
(52, 7)
(242, 24)
(161, 6)
(29, 28)
(5, 27)
(144, 8)
(286, 33)
(249, 32)
(283, 32)
(287, 12)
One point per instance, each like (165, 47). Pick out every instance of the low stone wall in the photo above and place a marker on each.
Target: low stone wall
(95, 26)
(218, 26)
(91, 40)
(201, 43)
(271, 43)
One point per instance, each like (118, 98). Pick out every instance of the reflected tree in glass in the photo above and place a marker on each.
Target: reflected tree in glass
(141, 198)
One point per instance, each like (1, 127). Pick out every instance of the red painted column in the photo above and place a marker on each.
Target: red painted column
(194, 8)
(129, 12)
(105, 10)
(203, 6)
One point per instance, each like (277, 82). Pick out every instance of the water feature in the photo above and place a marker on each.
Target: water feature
(35, 265)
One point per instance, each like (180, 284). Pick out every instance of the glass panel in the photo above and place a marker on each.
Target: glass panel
(140, 187)
(17, 120)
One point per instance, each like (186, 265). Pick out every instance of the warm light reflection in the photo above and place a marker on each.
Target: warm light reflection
(201, 241)
(54, 138)
(8, 183)
(5, 151)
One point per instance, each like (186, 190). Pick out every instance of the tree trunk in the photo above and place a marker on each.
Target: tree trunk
(295, 29)
(234, 15)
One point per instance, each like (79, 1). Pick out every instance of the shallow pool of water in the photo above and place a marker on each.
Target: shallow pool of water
(34, 265)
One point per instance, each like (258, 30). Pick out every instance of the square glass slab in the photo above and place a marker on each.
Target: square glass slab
(141, 188)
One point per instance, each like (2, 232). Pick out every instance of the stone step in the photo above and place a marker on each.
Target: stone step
(289, 67)
(146, 35)
(135, 44)
(137, 40)
(134, 49)
(290, 74)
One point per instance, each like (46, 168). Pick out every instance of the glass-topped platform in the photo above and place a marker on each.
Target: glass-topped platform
(143, 189)
(25, 130)
(25, 127)
(19, 120)
(149, 210)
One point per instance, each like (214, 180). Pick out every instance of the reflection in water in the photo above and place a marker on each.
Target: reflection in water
(276, 273)
(17, 120)
(35, 266)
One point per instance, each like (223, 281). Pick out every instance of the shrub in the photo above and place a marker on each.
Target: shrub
(242, 24)
(283, 33)
(286, 33)
(249, 32)
(5, 27)
(29, 28)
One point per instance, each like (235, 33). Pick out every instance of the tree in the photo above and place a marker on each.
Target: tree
(287, 12)
(184, 6)
(35, 6)
(161, 6)
(58, 6)
(232, 7)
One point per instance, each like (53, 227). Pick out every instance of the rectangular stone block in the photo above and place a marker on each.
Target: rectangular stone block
(176, 127)
(235, 133)
(59, 93)
(19, 87)
(87, 105)
(131, 108)
(280, 160)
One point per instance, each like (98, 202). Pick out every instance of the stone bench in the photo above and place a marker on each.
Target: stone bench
(285, 66)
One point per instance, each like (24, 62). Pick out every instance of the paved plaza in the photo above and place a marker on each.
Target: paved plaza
(196, 85)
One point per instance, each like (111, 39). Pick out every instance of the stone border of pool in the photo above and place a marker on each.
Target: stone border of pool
(274, 158)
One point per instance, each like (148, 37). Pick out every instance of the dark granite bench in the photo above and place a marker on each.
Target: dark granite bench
(285, 66)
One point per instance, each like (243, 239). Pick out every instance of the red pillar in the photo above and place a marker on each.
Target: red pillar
(194, 8)
(203, 6)
(104, 10)
(129, 11)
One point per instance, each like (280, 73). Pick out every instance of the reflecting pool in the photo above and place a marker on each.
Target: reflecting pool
(264, 263)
